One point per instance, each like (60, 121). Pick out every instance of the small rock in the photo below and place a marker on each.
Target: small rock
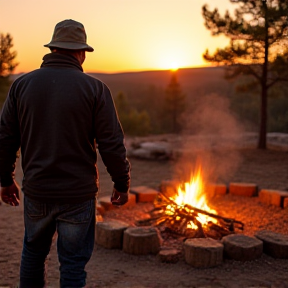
(169, 255)
(151, 150)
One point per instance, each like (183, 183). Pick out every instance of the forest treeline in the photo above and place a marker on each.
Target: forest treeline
(141, 99)
(144, 95)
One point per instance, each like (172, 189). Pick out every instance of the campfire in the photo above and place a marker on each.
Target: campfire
(186, 212)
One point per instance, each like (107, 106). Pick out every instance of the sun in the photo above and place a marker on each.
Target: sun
(169, 60)
(174, 66)
(169, 55)
(169, 64)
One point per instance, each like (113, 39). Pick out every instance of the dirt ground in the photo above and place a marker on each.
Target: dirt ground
(114, 268)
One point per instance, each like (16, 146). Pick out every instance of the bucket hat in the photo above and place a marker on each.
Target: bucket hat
(69, 34)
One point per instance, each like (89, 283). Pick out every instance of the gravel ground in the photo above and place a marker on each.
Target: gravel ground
(114, 268)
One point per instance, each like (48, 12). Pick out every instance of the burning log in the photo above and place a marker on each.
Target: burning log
(185, 220)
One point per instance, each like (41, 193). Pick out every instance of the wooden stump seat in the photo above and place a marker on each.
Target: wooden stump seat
(241, 247)
(203, 252)
(109, 234)
(141, 240)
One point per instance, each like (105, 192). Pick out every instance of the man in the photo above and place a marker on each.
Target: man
(57, 115)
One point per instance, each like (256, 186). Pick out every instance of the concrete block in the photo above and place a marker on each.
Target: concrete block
(285, 202)
(100, 210)
(273, 197)
(243, 189)
(144, 193)
(213, 189)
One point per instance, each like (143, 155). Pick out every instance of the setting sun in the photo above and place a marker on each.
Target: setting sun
(170, 62)
(174, 66)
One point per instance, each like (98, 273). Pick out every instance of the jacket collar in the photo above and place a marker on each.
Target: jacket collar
(61, 60)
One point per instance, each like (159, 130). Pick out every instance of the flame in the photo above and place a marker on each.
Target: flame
(193, 194)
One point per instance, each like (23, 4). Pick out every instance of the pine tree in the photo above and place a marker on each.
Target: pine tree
(7, 57)
(174, 103)
(258, 35)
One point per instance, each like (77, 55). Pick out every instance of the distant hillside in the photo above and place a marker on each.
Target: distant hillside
(145, 92)
(193, 81)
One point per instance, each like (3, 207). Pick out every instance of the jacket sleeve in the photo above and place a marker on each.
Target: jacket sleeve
(9, 140)
(110, 139)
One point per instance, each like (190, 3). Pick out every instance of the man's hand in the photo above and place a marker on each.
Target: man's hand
(119, 198)
(10, 194)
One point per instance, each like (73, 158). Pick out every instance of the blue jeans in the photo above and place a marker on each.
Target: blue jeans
(75, 225)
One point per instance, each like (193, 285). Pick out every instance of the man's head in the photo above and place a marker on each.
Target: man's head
(69, 35)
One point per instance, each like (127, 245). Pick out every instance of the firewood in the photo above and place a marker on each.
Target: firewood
(142, 240)
(177, 218)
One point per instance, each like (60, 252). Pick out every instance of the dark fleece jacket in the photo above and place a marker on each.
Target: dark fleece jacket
(59, 115)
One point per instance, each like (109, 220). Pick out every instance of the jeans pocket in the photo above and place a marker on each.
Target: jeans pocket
(78, 213)
(34, 209)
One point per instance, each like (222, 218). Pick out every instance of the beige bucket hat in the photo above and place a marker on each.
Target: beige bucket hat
(69, 34)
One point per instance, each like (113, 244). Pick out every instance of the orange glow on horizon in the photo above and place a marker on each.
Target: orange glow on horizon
(139, 36)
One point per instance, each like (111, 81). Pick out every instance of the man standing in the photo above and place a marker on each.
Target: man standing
(57, 115)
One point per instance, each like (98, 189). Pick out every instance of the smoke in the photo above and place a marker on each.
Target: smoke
(212, 138)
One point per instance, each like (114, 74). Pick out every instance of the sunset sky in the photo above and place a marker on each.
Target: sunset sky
(127, 35)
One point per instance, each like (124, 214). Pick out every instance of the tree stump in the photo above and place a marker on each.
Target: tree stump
(142, 240)
(203, 252)
(241, 247)
(274, 244)
(110, 234)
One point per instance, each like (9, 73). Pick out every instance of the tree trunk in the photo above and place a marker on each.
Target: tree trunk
(263, 119)
(264, 89)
